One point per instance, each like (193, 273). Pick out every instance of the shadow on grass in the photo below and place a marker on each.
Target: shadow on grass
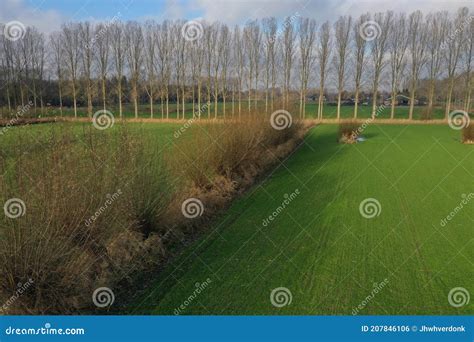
(218, 242)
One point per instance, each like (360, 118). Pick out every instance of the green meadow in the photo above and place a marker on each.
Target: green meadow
(398, 259)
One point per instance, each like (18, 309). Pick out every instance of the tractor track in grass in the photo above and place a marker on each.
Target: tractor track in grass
(424, 270)
(334, 269)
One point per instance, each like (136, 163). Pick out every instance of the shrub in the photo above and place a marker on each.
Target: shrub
(103, 206)
(348, 132)
(82, 193)
(468, 134)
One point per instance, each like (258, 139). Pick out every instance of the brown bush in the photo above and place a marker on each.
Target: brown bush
(76, 204)
(348, 132)
(468, 134)
(102, 207)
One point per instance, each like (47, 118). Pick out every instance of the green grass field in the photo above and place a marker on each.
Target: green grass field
(330, 111)
(322, 249)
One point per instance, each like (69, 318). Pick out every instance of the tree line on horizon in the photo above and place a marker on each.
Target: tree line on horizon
(261, 62)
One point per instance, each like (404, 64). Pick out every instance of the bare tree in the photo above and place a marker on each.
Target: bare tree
(252, 39)
(184, 64)
(210, 37)
(323, 52)
(226, 60)
(342, 29)
(164, 56)
(152, 60)
(24, 67)
(270, 26)
(239, 58)
(134, 48)
(307, 36)
(36, 58)
(102, 43)
(468, 55)
(360, 60)
(288, 44)
(87, 45)
(196, 59)
(453, 47)
(71, 42)
(149, 56)
(437, 26)
(397, 46)
(256, 43)
(179, 53)
(379, 47)
(118, 47)
(217, 61)
(417, 37)
(7, 54)
(20, 71)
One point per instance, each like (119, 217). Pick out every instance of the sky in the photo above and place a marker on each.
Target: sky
(48, 15)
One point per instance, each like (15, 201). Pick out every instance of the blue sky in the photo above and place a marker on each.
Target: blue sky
(48, 15)
(130, 9)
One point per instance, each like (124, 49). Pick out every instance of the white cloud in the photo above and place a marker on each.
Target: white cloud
(45, 20)
(238, 11)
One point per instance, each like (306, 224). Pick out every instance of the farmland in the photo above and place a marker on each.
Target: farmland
(322, 249)
(284, 165)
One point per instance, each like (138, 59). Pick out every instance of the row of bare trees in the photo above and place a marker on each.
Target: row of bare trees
(263, 61)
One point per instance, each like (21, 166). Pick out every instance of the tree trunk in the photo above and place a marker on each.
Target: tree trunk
(356, 104)
(339, 95)
(412, 101)
(449, 97)
(103, 93)
(74, 99)
(89, 99)
(120, 101)
(60, 98)
(431, 97)
(392, 107)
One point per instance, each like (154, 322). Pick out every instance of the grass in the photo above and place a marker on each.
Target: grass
(401, 112)
(322, 249)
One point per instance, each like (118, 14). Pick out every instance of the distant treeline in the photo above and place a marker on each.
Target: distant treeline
(418, 55)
